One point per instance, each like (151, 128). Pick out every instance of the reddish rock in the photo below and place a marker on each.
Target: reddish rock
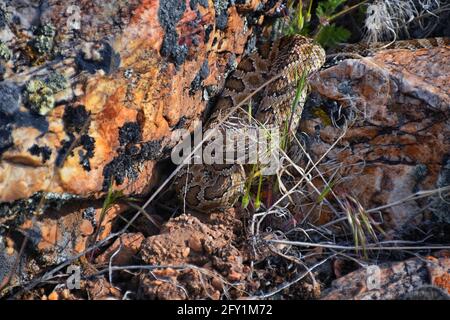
(59, 235)
(124, 250)
(186, 241)
(101, 289)
(390, 280)
(396, 143)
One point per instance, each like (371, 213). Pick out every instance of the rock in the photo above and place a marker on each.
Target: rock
(391, 280)
(101, 289)
(8, 256)
(136, 72)
(91, 93)
(65, 232)
(397, 144)
(186, 241)
(124, 249)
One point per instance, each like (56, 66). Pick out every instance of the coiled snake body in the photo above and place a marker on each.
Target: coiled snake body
(207, 187)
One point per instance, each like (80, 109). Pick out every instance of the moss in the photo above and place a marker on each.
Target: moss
(5, 52)
(39, 97)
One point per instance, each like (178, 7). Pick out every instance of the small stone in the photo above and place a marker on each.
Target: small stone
(186, 252)
(65, 294)
(234, 276)
(86, 227)
(53, 296)
(196, 244)
(10, 251)
(217, 283)
(216, 295)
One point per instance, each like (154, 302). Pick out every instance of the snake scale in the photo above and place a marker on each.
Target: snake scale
(216, 187)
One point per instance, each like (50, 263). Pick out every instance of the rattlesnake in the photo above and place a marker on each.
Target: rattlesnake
(218, 186)
(206, 187)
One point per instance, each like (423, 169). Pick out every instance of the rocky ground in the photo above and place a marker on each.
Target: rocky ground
(92, 93)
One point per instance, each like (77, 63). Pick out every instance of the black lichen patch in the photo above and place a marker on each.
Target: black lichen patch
(208, 31)
(169, 13)
(109, 62)
(45, 152)
(129, 133)
(193, 4)
(2, 70)
(88, 144)
(75, 118)
(16, 212)
(126, 165)
(202, 74)
(221, 8)
(89, 215)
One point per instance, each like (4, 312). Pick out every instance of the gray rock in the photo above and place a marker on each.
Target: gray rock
(9, 98)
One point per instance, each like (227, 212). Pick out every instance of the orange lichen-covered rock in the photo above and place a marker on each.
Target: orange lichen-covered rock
(107, 85)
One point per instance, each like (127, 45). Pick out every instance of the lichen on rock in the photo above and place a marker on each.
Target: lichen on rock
(39, 97)
(44, 39)
(5, 52)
